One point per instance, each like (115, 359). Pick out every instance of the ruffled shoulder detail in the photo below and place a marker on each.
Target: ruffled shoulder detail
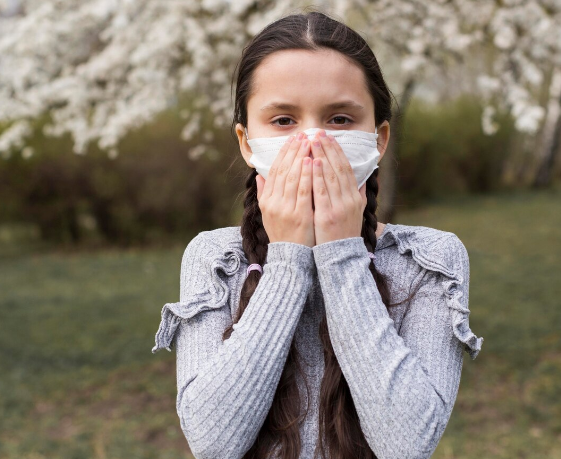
(209, 259)
(444, 252)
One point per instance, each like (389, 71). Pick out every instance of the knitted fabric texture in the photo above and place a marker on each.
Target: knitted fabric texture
(403, 369)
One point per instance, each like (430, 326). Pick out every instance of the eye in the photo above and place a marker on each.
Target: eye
(285, 121)
(279, 119)
(340, 117)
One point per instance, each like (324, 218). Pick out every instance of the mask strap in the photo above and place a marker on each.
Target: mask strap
(246, 136)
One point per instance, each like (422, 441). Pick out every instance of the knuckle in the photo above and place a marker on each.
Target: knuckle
(324, 218)
(292, 177)
(303, 191)
(332, 218)
(282, 169)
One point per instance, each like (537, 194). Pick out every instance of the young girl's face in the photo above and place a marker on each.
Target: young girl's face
(293, 90)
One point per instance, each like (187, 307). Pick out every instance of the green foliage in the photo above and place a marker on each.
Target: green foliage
(150, 192)
(443, 150)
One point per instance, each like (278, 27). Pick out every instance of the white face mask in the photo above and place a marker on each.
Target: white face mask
(360, 147)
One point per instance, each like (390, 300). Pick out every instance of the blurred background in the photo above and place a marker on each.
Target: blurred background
(116, 150)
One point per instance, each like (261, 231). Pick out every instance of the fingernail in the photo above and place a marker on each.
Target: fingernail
(316, 143)
(300, 136)
(330, 137)
(317, 162)
(322, 133)
(290, 138)
(307, 161)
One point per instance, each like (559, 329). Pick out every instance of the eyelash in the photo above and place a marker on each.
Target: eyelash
(287, 118)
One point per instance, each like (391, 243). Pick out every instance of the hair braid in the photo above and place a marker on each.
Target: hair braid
(281, 427)
(339, 422)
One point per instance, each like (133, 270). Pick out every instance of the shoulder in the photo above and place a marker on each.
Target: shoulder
(216, 241)
(221, 245)
(208, 266)
(213, 260)
(443, 253)
(431, 248)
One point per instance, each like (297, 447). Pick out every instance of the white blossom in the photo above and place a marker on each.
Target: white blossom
(488, 125)
(103, 67)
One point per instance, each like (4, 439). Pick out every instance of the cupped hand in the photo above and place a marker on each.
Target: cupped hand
(285, 198)
(339, 204)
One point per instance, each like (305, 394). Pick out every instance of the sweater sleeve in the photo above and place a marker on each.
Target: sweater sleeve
(226, 388)
(404, 385)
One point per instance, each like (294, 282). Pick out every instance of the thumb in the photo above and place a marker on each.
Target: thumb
(260, 184)
(362, 190)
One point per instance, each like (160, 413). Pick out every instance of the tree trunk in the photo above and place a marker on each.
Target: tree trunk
(388, 169)
(551, 133)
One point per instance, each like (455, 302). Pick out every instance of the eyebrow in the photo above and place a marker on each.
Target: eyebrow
(335, 105)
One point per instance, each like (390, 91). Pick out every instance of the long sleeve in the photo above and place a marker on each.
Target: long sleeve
(226, 388)
(404, 385)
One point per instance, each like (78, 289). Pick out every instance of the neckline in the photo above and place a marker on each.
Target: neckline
(382, 236)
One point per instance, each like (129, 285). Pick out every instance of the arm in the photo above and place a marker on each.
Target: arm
(403, 386)
(225, 389)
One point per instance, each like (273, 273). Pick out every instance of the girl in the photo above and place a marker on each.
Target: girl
(313, 330)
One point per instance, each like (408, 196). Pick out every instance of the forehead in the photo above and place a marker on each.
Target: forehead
(308, 78)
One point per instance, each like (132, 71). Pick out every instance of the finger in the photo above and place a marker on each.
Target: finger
(304, 198)
(294, 175)
(337, 164)
(345, 165)
(271, 176)
(329, 175)
(321, 195)
(286, 164)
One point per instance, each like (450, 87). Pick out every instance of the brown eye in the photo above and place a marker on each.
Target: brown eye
(282, 124)
(342, 118)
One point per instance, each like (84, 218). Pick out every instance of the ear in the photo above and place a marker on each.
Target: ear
(244, 146)
(383, 138)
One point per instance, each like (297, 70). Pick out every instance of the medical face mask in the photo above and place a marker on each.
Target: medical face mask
(360, 147)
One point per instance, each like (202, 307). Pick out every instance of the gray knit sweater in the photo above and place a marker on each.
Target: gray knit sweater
(403, 370)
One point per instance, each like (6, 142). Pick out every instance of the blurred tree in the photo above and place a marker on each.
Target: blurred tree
(551, 137)
(104, 67)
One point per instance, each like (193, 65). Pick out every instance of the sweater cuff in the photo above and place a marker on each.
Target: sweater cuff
(290, 253)
(338, 251)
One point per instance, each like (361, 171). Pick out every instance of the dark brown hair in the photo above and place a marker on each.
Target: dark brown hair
(338, 419)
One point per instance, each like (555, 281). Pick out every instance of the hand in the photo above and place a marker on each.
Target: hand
(339, 204)
(285, 198)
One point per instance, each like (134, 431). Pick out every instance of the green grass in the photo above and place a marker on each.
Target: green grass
(78, 379)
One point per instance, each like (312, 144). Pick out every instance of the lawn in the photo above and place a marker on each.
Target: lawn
(78, 379)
